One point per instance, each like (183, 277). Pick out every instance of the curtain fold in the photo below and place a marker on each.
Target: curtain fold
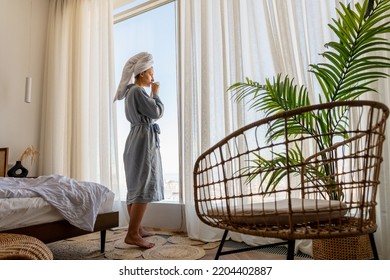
(255, 39)
(383, 195)
(211, 59)
(78, 125)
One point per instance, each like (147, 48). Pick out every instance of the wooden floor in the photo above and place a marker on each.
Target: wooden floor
(250, 255)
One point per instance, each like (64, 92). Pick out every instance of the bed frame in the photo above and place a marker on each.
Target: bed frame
(59, 230)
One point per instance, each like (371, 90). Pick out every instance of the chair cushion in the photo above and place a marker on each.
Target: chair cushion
(277, 212)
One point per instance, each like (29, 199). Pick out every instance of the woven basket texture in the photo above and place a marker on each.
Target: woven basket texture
(345, 248)
(23, 247)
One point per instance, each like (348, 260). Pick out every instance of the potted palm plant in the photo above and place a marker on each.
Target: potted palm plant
(351, 67)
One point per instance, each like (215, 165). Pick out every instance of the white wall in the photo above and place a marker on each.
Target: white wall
(20, 121)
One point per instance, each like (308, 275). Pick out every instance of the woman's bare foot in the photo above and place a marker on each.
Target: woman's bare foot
(145, 233)
(138, 241)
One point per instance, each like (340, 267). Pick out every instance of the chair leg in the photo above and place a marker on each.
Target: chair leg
(290, 249)
(373, 246)
(221, 245)
(102, 240)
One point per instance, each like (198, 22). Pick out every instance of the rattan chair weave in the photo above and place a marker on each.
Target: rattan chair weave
(348, 248)
(326, 192)
(23, 247)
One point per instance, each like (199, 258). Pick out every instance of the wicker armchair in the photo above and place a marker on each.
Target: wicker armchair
(316, 183)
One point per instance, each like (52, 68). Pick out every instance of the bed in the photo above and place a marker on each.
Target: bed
(55, 207)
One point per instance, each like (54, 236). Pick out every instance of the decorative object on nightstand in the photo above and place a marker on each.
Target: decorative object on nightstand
(18, 170)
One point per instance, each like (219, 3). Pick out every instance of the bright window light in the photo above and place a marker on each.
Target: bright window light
(153, 31)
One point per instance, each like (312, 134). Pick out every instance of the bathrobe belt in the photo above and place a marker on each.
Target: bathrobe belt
(156, 129)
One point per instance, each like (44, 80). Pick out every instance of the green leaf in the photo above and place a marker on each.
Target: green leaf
(353, 63)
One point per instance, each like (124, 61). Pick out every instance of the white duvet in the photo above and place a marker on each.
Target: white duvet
(77, 201)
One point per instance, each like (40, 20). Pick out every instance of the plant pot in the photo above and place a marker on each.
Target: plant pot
(344, 248)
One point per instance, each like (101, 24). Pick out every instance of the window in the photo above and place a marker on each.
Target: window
(153, 31)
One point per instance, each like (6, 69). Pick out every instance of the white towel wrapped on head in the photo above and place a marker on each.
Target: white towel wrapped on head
(134, 66)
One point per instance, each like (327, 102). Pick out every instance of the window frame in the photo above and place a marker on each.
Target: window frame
(142, 8)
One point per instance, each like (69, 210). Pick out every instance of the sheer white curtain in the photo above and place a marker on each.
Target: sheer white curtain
(383, 208)
(218, 47)
(77, 118)
(383, 195)
(224, 41)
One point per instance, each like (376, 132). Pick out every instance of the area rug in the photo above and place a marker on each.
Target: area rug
(169, 246)
(178, 239)
(174, 252)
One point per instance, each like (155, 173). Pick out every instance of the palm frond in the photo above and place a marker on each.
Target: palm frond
(273, 97)
(272, 170)
(350, 67)
(243, 90)
(353, 60)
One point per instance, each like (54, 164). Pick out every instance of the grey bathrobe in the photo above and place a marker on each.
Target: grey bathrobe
(142, 159)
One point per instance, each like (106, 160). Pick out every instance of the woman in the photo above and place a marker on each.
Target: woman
(141, 156)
